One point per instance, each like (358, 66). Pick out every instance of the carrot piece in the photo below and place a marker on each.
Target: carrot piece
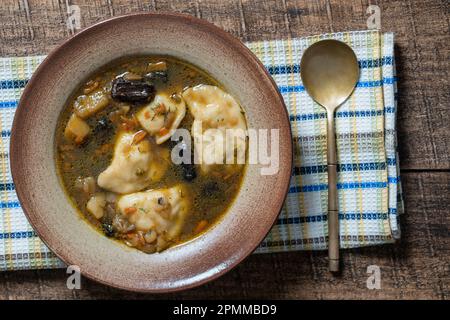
(127, 123)
(200, 226)
(78, 140)
(130, 210)
(163, 131)
(139, 136)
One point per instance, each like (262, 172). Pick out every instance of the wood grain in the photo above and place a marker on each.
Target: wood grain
(418, 267)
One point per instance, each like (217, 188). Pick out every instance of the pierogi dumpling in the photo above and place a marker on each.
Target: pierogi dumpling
(163, 210)
(219, 128)
(162, 116)
(134, 165)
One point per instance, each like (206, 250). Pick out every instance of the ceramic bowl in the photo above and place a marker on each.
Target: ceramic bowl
(58, 223)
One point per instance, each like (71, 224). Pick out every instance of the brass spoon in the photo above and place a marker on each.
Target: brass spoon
(329, 71)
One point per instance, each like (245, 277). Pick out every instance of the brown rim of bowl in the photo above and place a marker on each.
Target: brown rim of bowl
(15, 135)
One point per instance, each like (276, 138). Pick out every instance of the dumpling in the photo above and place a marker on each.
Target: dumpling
(213, 108)
(135, 164)
(163, 211)
(162, 116)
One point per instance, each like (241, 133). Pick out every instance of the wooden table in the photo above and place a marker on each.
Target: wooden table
(416, 267)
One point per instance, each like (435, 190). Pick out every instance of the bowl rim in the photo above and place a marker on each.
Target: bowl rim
(15, 133)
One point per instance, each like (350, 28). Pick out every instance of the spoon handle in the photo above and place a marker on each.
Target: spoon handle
(333, 217)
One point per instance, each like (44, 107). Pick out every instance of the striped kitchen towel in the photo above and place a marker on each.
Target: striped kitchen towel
(368, 173)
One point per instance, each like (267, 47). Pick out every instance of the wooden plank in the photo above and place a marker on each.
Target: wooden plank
(417, 267)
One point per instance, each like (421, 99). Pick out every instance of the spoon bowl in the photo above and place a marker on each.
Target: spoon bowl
(329, 71)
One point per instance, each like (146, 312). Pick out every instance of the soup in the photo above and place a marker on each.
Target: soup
(125, 165)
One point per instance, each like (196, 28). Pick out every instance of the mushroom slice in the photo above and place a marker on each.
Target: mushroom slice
(215, 112)
(163, 211)
(134, 166)
(162, 116)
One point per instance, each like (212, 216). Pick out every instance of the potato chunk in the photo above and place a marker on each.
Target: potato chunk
(87, 105)
(96, 205)
(76, 129)
(157, 66)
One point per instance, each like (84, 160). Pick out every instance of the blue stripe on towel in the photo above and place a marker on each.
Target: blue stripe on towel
(343, 114)
(9, 204)
(363, 64)
(8, 104)
(7, 186)
(18, 235)
(345, 185)
(361, 84)
(394, 180)
(342, 216)
(341, 167)
(12, 84)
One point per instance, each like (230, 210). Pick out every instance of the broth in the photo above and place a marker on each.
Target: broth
(82, 157)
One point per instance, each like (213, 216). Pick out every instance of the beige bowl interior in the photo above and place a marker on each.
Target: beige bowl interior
(58, 223)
